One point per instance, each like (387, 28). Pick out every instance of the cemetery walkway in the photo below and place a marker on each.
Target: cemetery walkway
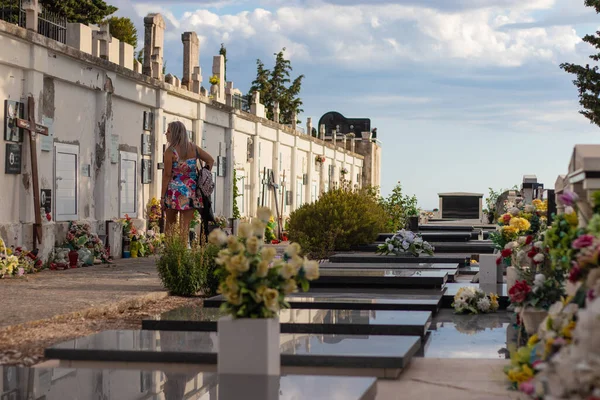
(51, 293)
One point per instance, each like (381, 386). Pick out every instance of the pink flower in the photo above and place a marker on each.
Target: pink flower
(575, 274)
(527, 387)
(20, 271)
(583, 241)
(568, 198)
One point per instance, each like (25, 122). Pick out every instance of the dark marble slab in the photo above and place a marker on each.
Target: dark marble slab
(444, 228)
(297, 350)
(499, 289)
(58, 383)
(419, 266)
(469, 336)
(348, 278)
(401, 299)
(473, 247)
(371, 257)
(349, 322)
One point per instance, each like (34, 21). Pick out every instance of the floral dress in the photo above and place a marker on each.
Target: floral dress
(181, 191)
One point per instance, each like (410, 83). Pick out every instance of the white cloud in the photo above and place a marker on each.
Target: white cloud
(387, 35)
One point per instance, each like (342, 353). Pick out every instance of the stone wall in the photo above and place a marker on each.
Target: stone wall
(97, 107)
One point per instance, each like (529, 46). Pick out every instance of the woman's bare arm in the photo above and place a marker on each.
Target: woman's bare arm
(167, 171)
(207, 158)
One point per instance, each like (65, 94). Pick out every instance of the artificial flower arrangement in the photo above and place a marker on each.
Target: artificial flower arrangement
(80, 237)
(320, 159)
(270, 230)
(153, 214)
(221, 221)
(18, 261)
(129, 230)
(214, 80)
(253, 282)
(562, 360)
(344, 171)
(403, 242)
(472, 300)
(520, 220)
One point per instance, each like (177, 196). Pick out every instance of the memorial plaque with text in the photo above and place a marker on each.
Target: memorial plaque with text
(12, 111)
(12, 163)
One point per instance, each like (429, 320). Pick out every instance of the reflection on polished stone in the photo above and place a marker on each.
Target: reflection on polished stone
(91, 384)
(302, 349)
(469, 336)
(396, 266)
(373, 322)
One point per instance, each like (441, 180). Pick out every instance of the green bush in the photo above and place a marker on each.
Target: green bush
(338, 220)
(186, 272)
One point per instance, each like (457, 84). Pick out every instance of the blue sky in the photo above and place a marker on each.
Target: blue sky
(466, 94)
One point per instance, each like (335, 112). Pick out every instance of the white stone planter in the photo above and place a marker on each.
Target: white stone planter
(532, 318)
(249, 346)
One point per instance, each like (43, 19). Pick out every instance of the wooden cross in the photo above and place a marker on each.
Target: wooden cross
(34, 129)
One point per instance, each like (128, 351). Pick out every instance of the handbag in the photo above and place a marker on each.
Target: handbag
(204, 185)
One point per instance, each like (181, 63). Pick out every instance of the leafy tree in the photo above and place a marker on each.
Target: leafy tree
(588, 78)
(274, 86)
(123, 29)
(223, 52)
(399, 207)
(82, 11)
(236, 194)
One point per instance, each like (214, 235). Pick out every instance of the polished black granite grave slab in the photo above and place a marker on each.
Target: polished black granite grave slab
(446, 236)
(348, 278)
(349, 322)
(469, 336)
(297, 350)
(472, 246)
(401, 299)
(443, 228)
(371, 257)
(424, 266)
(499, 289)
(80, 384)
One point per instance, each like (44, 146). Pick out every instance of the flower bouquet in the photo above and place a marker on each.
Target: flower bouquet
(320, 159)
(344, 171)
(221, 221)
(9, 263)
(153, 214)
(254, 285)
(472, 300)
(403, 242)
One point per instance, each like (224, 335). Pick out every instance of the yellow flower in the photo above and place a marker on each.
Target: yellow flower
(217, 237)
(533, 340)
(232, 284)
(252, 245)
(263, 269)
(258, 227)
(509, 231)
(270, 298)
(548, 346)
(504, 217)
(245, 230)
(222, 257)
(572, 219)
(268, 253)
(290, 286)
(233, 298)
(241, 263)
(520, 224)
(296, 261)
(293, 249)
(567, 331)
(520, 375)
(288, 271)
(311, 269)
(234, 244)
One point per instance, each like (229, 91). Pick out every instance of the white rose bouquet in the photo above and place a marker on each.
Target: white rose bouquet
(253, 282)
(472, 300)
(405, 242)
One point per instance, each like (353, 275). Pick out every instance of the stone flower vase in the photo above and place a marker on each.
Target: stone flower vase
(532, 319)
(511, 277)
(248, 346)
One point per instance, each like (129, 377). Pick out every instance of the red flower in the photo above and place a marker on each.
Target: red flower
(529, 239)
(48, 217)
(518, 293)
(506, 253)
(575, 274)
(506, 218)
(583, 241)
(498, 260)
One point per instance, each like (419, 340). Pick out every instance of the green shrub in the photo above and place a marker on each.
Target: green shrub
(185, 272)
(338, 220)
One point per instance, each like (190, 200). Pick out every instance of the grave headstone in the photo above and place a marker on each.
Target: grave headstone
(459, 205)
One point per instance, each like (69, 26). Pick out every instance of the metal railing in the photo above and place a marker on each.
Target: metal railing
(241, 103)
(50, 24)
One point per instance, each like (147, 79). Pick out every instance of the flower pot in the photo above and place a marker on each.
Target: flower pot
(413, 224)
(532, 318)
(248, 346)
(73, 257)
(126, 254)
(134, 253)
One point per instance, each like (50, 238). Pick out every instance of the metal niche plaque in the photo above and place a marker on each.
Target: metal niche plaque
(148, 120)
(146, 171)
(146, 145)
(221, 166)
(46, 200)
(12, 164)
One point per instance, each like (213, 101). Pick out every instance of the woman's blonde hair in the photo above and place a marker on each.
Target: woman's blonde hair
(179, 136)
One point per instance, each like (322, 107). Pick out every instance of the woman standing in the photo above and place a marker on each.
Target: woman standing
(180, 176)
